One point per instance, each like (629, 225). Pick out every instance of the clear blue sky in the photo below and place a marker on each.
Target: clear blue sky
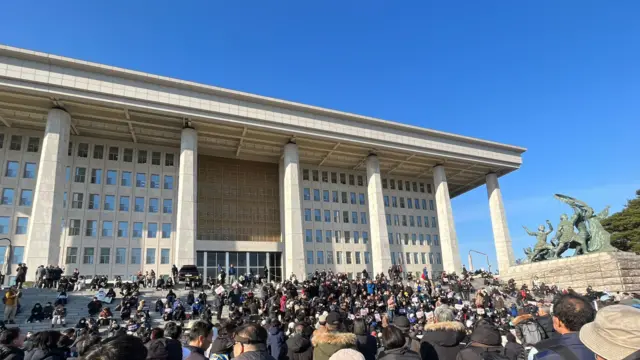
(561, 78)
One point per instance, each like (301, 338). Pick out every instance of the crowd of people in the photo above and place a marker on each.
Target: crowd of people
(328, 316)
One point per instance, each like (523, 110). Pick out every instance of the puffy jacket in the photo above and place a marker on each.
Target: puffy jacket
(441, 341)
(371, 288)
(327, 343)
(164, 349)
(276, 343)
(11, 353)
(570, 341)
(485, 338)
(299, 348)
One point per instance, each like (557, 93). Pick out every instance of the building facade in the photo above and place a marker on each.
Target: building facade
(114, 172)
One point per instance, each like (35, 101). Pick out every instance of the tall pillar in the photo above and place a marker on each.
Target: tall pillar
(380, 253)
(187, 217)
(43, 236)
(446, 226)
(501, 238)
(293, 234)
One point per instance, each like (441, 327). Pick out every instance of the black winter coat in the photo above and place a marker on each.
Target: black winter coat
(11, 353)
(39, 354)
(299, 348)
(367, 345)
(399, 354)
(441, 341)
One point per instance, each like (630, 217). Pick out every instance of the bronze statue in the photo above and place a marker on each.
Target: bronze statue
(591, 236)
(542, 250)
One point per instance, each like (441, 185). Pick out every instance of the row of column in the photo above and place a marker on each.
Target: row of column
(43, 245)
(380, 252)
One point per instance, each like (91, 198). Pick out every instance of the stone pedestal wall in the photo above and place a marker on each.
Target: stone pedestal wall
(612, 271)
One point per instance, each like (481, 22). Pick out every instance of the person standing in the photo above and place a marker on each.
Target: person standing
(232, 274)
(21, 275)
(11, 305)
(174, 273)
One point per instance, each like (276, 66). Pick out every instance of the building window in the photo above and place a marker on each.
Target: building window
(388, 218)
(319, 236)
(121, 256)
(167, 206)
(314, 174)
(155, 157)
(352, 197)
(72, 255)
(320, 259)
(345, 217)
(409, 203)
(408, 255)
(141, 180)
(127, 155)
(436, 240)
(428, 239)
(29, 171)
(367, 257)
(329, 257)
(438, 258)
(347, 237)
(139, 204)
(423, 258)
(337, 233)
(12, 169)
(401, 203)
(33, 145)
(16, 143)
(1, 140)
(126, 179)
(309, 257)
(22, 224)
(109, 202)
(413, 239)
(404, 220)
(152, 230)
(98, 152)
(18, 255)
(396, 220)
(88, 256)
(316, 195)
(365, 237)
(429, 188)
(356, 237)
(344, 197)
(392, 184)
(394, 201)
(112, 175)
(354, 217)
(327, 216)
(74, 227)
(70, 149)
(7, 197)
(339, 257)
(136, 254)
(431, 207)
(166, 230)
(151, 256)
(426, 221)
(328, 236)
(386, 200)
(83, 150)
(390, 236)
(154, 181)
(168, 182)
(123, 229)
(113, 153)
(142, 156)
(343, 179)
(107, 228)
(336, 216)
(421, 238)
(92, 228)
(348, 257)
(334, 178)
(96, 176)
(308, 235)
(412, 222)
(335, 196)
(105, 254)
(317, 216)
(363, 218)
(307, 193)
(433, 222)
(94, 201)
(419, 218)
(124, 203)
(165, 256)
(406, 239)
(64, 199)
(431, 258)
(358, 261)
(305, 174)
(153, 205)
(307, 214)
(80, 175)
(325, 176)
(361, 199)
(137, 230)
(77, 200)
(26, 197)
(168, 159)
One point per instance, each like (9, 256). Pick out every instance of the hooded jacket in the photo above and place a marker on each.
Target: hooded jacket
(164, 349)
(441, 341)
(276, 343)
(327, 343)
(299, 348)
(11, 353)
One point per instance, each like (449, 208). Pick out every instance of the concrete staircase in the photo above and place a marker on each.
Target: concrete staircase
(77, 306)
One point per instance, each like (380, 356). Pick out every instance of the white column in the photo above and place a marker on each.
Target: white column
(380, 253)
(446, 226)
(187, 217)
(43, 239)
(501, 237)
(293, 234)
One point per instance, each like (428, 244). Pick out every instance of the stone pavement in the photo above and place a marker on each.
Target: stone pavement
(77, 306)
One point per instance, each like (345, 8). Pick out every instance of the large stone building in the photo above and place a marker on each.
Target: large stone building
(113, 171)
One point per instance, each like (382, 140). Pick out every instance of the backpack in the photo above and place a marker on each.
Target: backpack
(531, 333)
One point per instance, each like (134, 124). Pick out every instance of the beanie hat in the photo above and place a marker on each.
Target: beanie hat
(347, 354)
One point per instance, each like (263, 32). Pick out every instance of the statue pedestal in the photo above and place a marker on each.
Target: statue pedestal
(612, 271)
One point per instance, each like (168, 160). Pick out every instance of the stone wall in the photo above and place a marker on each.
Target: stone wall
(613, 271)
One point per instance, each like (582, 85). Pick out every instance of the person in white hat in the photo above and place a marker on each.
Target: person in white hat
(615, 333)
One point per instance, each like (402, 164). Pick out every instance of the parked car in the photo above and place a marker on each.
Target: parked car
(188, 271)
